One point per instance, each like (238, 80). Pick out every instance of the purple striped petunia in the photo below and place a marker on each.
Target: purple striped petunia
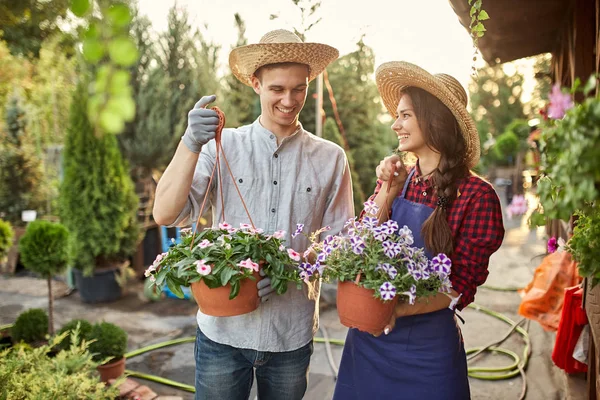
(441, 264)
(387, 291)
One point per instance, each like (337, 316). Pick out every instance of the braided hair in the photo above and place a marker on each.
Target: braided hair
(442, 134)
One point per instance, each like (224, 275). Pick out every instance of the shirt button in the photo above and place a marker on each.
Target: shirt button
(272, 137)
(274, 182)
(272, 210)
(276, 155)
(240, 180)
(308, 189)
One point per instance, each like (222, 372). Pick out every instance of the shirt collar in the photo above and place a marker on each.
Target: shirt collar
(258, 127)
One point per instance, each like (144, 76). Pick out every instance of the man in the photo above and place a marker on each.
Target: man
(286, 176)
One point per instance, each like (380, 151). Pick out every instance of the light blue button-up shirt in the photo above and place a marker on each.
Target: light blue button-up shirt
(305, 179)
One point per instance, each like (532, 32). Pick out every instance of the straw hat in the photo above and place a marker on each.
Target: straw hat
(280, 46)
(394, 76)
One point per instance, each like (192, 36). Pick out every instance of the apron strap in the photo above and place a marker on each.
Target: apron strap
(408, 178)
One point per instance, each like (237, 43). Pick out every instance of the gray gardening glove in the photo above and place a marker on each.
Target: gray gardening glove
(264, 287)
(202, 125)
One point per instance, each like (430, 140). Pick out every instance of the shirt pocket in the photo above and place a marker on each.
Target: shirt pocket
(233, 203)
(308, 202)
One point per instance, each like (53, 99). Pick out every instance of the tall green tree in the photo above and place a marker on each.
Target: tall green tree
(98, 204)
(27, 23)
(242, 105)
(20, 168)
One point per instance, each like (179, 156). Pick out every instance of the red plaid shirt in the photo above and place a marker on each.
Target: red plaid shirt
(475, 218)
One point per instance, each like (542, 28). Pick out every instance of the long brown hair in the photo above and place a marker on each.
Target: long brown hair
(442, 134)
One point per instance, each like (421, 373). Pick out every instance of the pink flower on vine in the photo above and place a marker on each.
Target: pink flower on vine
(559, 102)
(294, 255)
(204, 244)
(279, 234)
(248, 263)
(202, 267)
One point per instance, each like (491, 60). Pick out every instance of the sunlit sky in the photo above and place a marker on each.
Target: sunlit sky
(425, 32)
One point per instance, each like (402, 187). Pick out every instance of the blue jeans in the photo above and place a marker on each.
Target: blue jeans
(226, 372)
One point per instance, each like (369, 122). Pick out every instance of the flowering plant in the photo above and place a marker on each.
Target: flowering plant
(382, 257)
(225, 255)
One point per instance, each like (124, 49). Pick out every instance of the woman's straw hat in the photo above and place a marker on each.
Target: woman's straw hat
(394, 76)
(280, 46)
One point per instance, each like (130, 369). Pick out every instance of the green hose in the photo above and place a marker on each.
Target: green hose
(485, 373)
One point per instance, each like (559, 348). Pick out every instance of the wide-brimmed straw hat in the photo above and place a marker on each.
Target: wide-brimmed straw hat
(393, 77)
(280, 46)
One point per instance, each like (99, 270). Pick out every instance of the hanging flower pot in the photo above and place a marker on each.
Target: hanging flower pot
(359, 308)
(217, 302)
(221, 263)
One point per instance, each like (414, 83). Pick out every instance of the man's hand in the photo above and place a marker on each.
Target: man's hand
(391, 168)
(264, 287)
(202, 125)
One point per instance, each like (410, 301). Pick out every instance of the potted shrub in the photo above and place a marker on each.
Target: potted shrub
(6, 239)
(70, 374)
(374, 265)
(30, 327)
(45, 250)
(222, 267)
(97, 204)
(108, 346)
(83, 327)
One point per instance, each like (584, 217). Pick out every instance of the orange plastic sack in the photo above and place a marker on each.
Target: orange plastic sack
(543, 297)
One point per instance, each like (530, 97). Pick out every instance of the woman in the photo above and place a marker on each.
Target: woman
(420, 355)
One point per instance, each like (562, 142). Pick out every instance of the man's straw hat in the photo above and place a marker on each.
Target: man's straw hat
(394, 76)
(280, 46)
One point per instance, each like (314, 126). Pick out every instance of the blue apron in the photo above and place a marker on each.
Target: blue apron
(422, 358)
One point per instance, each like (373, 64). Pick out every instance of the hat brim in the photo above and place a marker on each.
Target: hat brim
(394, 76)
(245, 60)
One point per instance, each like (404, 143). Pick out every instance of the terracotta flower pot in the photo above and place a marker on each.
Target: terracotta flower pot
(112, 370)
(357, 308)
(216, 301)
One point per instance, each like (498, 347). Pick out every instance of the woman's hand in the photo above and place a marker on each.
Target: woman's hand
(391, 170)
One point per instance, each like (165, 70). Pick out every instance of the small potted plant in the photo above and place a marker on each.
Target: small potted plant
(45, 250)
(375, 264)
(222, 267)
(109, 344)
(31, 327)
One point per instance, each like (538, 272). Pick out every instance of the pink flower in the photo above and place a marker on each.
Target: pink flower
(255, 231)
(204, 244)
(294, 255)
(245, 226)
(149, 271)
(559, 102)
(279, 234)
(227, 227)
(202, 268)
(248, 263)
(552, 245)
(281, 247)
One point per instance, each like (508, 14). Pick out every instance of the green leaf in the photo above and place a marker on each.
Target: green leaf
(111, 122)
(226, 275)
(235, 290)
(93, 50)
(122, 51)
(472, 12)
(483, 15)
(590, 85)
(479, 27)
(119, 15)
(175, 288)
(80, 7)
